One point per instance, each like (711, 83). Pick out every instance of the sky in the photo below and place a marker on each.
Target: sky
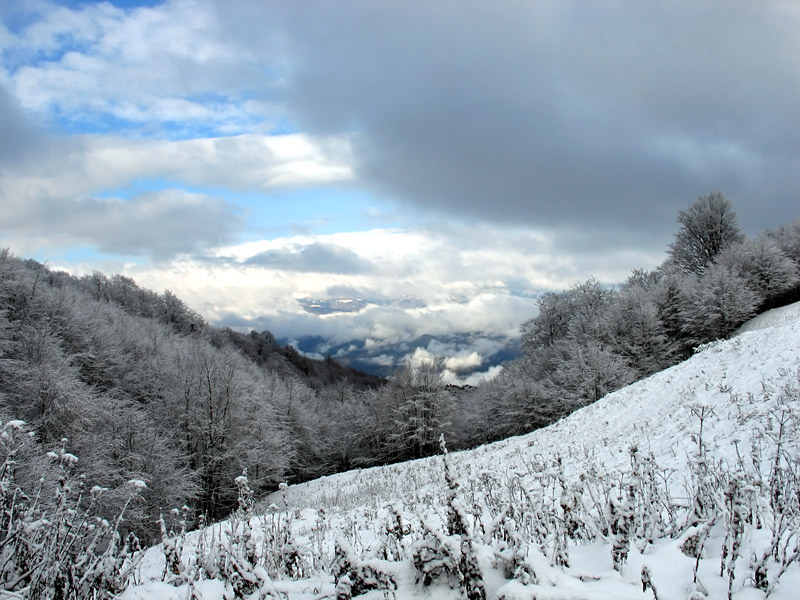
(445, 161)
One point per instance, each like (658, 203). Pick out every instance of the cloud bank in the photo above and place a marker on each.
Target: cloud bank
(559, 114)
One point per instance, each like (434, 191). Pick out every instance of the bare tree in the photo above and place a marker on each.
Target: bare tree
(716, 304)
(767, 269)
(707, 227)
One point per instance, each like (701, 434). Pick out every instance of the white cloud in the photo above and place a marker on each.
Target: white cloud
(419, 358)
(245, 162)
(170, 63)
(463, 362)
(495, 295)
(473, 379)
(158, 224)
(53, 200)
(224, 283)
(253, 162)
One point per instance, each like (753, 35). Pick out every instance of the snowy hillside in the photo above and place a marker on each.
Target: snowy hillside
(683, 485)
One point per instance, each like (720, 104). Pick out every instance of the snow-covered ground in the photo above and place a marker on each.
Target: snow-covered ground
(683, 485)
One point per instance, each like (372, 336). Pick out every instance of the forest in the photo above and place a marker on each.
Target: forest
(123, 390)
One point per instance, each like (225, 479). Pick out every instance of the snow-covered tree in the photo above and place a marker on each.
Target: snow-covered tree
(516, 402)
(575, 312)
(585, 372)
(788, 239)
(421, 411)
(707, 227)
(765, 267)
(716, 304)
(590, 301)
(635, 331)
(550, 324)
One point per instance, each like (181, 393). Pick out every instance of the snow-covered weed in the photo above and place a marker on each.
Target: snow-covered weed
(729, 523)
(50, 544)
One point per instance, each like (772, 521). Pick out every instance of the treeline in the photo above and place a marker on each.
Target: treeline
(593, 339)
(139, 387)
(98, 366)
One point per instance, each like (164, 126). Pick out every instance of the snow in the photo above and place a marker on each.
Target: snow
(735, 393)
(772, 318)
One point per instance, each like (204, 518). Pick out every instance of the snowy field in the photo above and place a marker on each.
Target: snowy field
(681, 486)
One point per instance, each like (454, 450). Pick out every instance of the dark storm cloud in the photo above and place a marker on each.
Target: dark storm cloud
(315, 258)
(603, 115)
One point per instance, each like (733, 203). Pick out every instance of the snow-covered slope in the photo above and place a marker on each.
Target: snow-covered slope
(658, 414)
(776, 317)
(715, 439)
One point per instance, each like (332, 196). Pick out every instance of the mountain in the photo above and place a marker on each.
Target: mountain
(382, 358)
(683, 485)
(265, 350)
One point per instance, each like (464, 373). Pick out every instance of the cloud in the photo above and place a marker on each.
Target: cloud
(19, 140)
(245, 162)
(317, 257)
(419, 358)
(463, 362)
(168, 67)
(437, 281)
(227, 287)
(159, 224)
(609, 117)
(51, 193)
(550, 115)
(452, 366)
(473, 379)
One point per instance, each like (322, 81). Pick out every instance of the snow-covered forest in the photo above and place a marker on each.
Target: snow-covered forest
(129, 422)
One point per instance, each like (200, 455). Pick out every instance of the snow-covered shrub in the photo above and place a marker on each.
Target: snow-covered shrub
(282, 554)
(654, 509)
(451, 553)
(59, 548)
(539, 511)
(621, 517)
(354, 576)
(435, 555)
(391, 545)
(172, 543)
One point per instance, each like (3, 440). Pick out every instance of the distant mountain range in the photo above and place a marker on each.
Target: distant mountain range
(384, 357)
(321, 306)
